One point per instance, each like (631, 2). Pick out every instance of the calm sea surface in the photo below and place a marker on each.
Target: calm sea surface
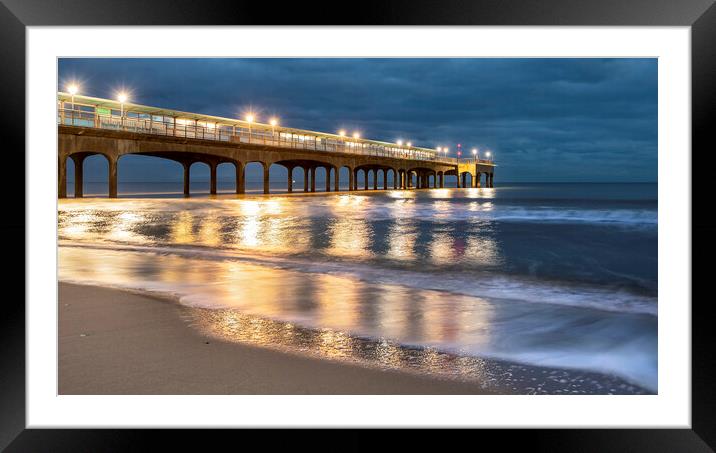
(562, 276)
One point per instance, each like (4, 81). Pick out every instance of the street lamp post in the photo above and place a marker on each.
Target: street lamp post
(122, 98)
(250, 119)
(474, 153)
(342, 133)
(273, 123)
(72, 89)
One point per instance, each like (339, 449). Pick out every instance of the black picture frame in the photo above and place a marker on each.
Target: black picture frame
(700, 15)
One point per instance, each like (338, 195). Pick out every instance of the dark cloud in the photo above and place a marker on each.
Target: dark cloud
(545, 119)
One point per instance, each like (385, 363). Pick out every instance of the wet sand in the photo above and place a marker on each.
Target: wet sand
(117, 342)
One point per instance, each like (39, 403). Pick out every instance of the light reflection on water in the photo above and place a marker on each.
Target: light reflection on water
(334, 316)
(343, 228)
(396, 280)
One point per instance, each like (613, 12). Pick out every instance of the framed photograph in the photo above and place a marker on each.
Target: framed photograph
(459, 216)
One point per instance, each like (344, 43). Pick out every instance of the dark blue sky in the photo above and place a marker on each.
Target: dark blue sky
(544, 119)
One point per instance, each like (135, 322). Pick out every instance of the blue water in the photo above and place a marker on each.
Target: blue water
(558, 275)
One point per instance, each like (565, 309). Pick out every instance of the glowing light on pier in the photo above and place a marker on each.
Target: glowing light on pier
(72, 88)
(122, 97)
(342, 133)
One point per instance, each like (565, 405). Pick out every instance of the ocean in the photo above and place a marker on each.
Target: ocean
(537, 288)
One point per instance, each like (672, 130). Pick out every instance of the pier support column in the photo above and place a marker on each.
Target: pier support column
(289, 187)
(79, 175)
(351, 180)
(365, 176)
(336, 182)
(492, 180)
(385, 179)
(477, 179)
(313, 179)
(212, 178)
(442, 179)
(240, 177)
(395, 179)
(186, 165)
(112, 177)
(328, 179)
(62, 177)
(305, 179)
(375, 179)
(266, 179)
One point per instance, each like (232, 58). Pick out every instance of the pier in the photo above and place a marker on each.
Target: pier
(89, 126)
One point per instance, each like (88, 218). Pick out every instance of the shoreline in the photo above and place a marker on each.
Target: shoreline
(162, 354)
(170, 348)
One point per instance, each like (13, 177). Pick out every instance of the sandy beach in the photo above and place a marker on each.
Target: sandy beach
(117, 342)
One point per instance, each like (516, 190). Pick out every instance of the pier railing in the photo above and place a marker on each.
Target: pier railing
(471, 160)
(86, 115)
